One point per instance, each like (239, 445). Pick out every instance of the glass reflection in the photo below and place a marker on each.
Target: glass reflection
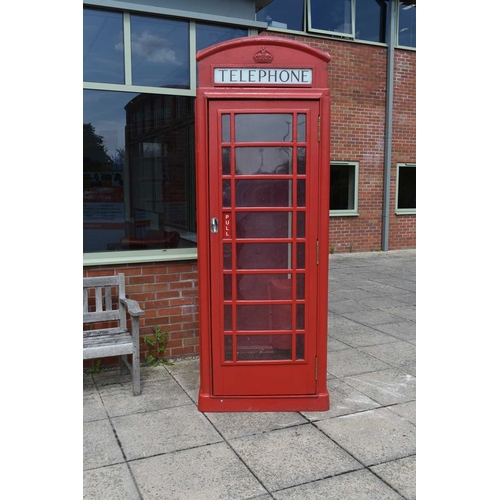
(160, 52)
(263, 347)
(263, 127)
(103, 47)
(138, 187)
(331, 15)
(257, 161)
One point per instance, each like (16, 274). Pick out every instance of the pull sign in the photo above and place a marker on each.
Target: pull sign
(214, 225)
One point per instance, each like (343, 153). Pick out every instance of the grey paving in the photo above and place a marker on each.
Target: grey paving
(158, 445)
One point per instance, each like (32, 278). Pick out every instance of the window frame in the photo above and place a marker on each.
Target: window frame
(350, 212)
(310, 29)
(398, 45)
(403, 211)
(171, 254)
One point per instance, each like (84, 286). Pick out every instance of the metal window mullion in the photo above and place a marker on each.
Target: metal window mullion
(192, 56)
(127, 48)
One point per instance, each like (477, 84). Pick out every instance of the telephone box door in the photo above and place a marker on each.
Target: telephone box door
(263, 244)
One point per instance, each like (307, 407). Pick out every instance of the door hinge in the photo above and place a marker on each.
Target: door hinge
(316, 369)
(317, 252)
(319, 128)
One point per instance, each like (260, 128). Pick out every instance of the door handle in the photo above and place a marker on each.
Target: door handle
(214, 225)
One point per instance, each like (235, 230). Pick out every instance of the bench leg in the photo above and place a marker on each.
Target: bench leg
(136, 374)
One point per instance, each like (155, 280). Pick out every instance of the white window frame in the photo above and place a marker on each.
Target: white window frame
(403, 211)
(351, 211)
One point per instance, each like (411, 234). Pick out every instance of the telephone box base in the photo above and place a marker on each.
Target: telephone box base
(318, 402)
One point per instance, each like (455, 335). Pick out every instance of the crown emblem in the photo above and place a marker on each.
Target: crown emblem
(263, 56)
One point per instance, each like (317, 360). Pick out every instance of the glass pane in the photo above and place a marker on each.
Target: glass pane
(160, 52)
(263, 286)
(371, 20)
(407, 187)
(226, 193)
(138, 207)
(301, 286)
(301, 255)
(301, 128)
(301, 193)
(284, 14)
(228, 318)
(103, 47)
(407, 35)
(263, 127)
(265, 317)
(331, 15)
(301, 161)
(300, 340)
(263, 347)
(257, 161)
(263, 193)
(301, 224)
(226, 123)
(228, 256)
(264, 225)
(228, 287)
(300, 316)
(263, 256)
(210, 34)
(228, 348)
(226, 161)
(342, 187)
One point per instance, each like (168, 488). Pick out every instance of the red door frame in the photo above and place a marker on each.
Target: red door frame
(288, 55)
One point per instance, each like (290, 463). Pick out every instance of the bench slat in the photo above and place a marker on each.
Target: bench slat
(100, 281)
(94, 317)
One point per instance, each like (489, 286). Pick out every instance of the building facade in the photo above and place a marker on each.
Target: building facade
(139, 67)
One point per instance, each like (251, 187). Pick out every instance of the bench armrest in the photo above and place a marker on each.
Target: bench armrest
(132, 307)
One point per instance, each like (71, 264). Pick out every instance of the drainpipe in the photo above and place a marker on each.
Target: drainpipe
(392, 6)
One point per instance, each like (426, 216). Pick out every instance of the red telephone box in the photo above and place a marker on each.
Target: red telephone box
(262, 161)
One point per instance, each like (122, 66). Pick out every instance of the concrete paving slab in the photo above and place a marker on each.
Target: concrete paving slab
(373, 436)
(93, 409)
(345, 306)
(386, 387)
(163, 431)
(109, 483)
(211, 472)
(406, 410)
(352, 362)
(292, 456)
(400, 474)
(344, 400)
(156, 394)
(111, 377)
(187, 374)
(336, 345)
(232, 425)
(404, 330)
(408, 312)
(372, 317)
(397, 354)
(355, 335)
(100, 446)
(357, 485)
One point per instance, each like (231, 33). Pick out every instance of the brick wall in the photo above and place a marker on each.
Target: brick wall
(357, 80)
(168, 293)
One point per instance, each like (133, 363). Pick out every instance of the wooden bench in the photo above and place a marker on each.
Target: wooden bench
(117, 340)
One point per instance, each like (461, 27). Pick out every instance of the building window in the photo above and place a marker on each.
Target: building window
(103, 59)
(344, 188)
(406, 188)
(138, 134)
(331, 16)
(407, 20)
(371, 20)
(283, 14)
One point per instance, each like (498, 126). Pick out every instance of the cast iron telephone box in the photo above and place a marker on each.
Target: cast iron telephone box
(262, 161)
